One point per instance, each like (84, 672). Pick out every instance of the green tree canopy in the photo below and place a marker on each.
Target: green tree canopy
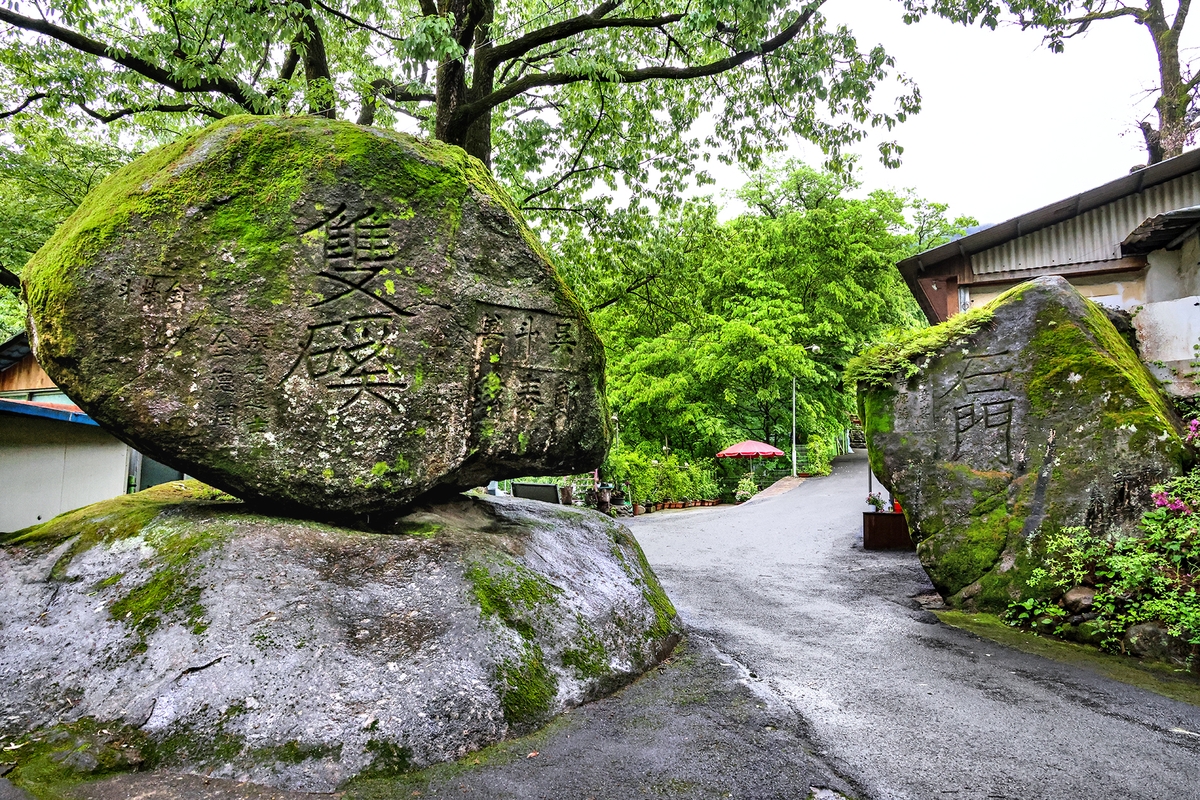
(706, 323)
(44, 174)
(560, 97)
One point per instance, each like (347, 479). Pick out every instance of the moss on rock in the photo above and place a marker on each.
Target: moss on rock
(301, 653)
(278, 305)
(1006, 423)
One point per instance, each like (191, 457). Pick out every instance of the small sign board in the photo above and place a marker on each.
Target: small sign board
(546, 492)
(886, 531)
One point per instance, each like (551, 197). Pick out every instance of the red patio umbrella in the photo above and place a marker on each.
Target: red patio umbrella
(750, 449)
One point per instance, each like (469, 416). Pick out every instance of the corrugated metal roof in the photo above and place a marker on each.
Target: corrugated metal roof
(14, 350)
(1126, 186)
(59, 411)
(1094, 235)
(1162, 232)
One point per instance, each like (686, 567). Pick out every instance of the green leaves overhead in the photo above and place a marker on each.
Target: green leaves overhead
(44, 173)
(569, 101)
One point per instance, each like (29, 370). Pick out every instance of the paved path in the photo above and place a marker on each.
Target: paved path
(899, 704)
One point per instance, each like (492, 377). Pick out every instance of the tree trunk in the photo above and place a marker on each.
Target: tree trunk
(1172, 134)
(1154, 148)
(477, 140)
(473, 19)
(316, 66)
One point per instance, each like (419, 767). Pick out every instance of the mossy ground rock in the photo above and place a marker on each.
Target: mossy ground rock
(176, 628)
(322, 317)
(1026, 415)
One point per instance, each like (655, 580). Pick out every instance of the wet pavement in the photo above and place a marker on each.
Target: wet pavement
(699, 726)
(898, 704)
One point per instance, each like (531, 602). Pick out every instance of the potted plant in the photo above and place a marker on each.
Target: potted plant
(885, 530)
(747, 487)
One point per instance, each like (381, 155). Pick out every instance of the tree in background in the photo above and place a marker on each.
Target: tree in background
(558, 97)
(1175, 104)
(44, 173)
(706, 323)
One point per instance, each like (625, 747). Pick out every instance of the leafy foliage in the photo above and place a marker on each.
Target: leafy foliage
(1151, 577)
(44, 174)
(706, 323)
(662, 479)
(563, 98)
(747, 487)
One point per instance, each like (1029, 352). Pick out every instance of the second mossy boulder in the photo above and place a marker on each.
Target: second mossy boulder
(1010, 421)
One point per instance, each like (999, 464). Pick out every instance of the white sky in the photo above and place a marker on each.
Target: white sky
(1006, 126)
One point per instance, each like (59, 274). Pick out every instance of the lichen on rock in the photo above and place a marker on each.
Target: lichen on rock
(324, 318)
(1030, 415)
(297, 654)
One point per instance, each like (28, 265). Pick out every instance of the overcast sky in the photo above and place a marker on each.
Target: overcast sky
(1006, 126)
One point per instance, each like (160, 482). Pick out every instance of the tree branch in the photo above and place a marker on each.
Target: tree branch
(146, 69)
(1088, 19)
(522, 85)
(594, 20)
(358, 22)
(175, 108)
(1181, 16)
(382, 87)
(633, 287)
(33, 98)
(574, 164)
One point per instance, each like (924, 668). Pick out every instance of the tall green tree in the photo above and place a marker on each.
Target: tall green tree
(706, 323)
(558, 96)
(1176, 107)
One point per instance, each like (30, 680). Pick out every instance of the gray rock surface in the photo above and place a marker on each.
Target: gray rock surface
(1079, 599)
(1152, 640)
(1024, 416)
(328, 319)
(202, 637)
(696, 728)
(10, 792)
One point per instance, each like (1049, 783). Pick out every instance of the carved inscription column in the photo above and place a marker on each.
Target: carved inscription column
(352, 350)
(981, 406)
(525, 367)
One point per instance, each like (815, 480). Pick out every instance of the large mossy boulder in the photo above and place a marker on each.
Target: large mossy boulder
(325, 318)
(1008, 422)
(176, 628)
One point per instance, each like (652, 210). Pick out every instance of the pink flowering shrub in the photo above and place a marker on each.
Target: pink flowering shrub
(1154, 576)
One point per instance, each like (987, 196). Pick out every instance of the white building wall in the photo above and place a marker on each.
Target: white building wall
(48, 467)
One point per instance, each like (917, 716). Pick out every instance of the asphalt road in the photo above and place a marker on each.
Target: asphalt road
(898, 704)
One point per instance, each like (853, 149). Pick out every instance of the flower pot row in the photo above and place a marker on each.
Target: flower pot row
(649, 507)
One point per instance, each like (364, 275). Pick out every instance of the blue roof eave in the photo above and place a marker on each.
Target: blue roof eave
(30, 410)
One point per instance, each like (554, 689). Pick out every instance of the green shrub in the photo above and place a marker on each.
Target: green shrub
(1151, 577)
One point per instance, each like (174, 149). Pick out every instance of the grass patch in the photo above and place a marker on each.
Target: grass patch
(1154, 677)
(404, 784)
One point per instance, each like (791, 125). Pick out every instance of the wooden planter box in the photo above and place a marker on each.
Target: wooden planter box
(884, 530)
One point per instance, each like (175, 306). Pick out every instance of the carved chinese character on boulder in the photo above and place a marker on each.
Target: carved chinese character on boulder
(322, 318)
(1007, 423)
